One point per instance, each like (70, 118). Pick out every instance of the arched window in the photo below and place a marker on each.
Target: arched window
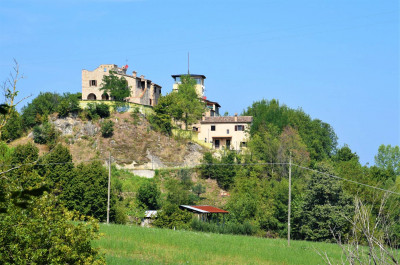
(105, 97)
(91, 96)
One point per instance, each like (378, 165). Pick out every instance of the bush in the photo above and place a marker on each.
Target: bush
(229, 228)
(13, 128)
(69, 104)
(103, 110)
(148, 195)
(107, 128)
(45, 134)
(170, 216)
(94, 111)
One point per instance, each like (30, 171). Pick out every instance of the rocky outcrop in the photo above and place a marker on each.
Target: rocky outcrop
(74, 127)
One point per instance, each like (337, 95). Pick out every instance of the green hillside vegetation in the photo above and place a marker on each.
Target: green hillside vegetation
(67, 174)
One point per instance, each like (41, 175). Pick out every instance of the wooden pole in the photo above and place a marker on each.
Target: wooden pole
(290, 196)
(109, 184)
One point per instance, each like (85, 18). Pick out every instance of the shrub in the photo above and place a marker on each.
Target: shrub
(148, 195)
(219, 227)
(107, 128)
(94, 111)
(45, 134)
(103, 110)
(69, 104)
(170, 216)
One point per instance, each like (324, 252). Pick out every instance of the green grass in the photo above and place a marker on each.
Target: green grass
(135, 245)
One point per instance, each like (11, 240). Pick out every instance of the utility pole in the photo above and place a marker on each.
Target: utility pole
(290, 197)
(109, 184)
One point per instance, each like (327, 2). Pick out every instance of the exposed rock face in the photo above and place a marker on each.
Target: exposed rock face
(134, 146)
(71, 126)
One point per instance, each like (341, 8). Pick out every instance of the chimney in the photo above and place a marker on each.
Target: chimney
(142, 77)
(235, 117)
(134, 73)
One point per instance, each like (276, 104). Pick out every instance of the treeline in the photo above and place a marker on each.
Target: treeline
(321, 205)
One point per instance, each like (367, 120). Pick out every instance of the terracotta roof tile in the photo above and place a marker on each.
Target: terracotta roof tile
(228, 119)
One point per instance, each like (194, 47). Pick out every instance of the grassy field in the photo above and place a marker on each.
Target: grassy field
(135, 245)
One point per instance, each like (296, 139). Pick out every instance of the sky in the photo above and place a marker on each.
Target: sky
(336, 60)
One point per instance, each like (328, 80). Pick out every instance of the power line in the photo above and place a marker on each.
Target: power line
(219, 164)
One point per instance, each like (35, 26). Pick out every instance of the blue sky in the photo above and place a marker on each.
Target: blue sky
(337, 60)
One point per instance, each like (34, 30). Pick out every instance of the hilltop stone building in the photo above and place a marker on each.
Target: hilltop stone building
(143, 91)
(228, 132)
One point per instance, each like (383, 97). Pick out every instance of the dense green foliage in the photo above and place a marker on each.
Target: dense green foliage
(35, 228)
(87, 191)
(13, 128)
(388, 158)
(45, 134)
(97, 110)
(148, 195)
(318, 136)
(107, 128)
(116, 87)
(223, 228)
(69, 104)
(183, 105)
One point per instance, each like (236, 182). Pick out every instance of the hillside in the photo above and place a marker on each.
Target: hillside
(134, 145)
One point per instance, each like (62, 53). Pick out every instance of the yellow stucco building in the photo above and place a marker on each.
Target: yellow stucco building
(143, 91)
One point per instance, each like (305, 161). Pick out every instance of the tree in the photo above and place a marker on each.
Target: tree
(198, 189)
(36, 112)
(69, 104)
(187, 99)
(116, 86)
(10, 93)
(148, 195)
(161, 120)
(87, 191)
(34, 226)
(325, 208)
(107, 128)
(388, 158)
(13, 128)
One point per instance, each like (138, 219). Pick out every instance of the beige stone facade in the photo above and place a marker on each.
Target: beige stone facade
(143, 91)
(225, 132)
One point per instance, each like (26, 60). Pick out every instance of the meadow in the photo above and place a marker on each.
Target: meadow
(124, 244)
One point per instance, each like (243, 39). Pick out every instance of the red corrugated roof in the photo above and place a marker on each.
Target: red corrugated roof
(209, 209)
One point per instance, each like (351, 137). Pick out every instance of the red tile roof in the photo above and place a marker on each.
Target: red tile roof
(227, 119)
(204, 208)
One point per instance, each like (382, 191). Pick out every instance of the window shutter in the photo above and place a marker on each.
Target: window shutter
(95, 82)
(235, 127)
(90, 83)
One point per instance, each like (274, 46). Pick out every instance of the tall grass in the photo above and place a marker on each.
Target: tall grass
(135, 245)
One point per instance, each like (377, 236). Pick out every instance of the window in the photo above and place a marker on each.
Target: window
(205, 140)
(239, 127)
(150, 102)
(105, 69)
(216, 144)
(212, 127)
(227, 131)
(243, 144)
(92, 82)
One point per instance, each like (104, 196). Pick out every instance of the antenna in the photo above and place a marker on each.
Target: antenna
(188, 63)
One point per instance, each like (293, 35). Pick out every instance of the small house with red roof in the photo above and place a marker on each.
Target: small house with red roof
(203, 212)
